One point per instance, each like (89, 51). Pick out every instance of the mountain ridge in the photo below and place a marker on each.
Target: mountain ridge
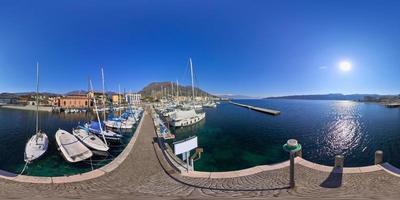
(332, 96)
(155, 89)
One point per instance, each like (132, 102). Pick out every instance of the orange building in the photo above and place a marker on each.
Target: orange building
(116, 99)
(73, 101)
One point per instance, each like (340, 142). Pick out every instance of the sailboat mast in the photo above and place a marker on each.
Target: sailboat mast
(191, 73)
(37, 97)
(97, 112)
(172, 90)
(119, 98)
(162, 92)
(104, 95)
(177, 89)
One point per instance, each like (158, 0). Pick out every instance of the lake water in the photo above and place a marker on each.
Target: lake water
(236, 138)
(17, 126)
(232, 137)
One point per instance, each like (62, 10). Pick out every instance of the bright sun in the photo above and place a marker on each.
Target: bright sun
(345, 66)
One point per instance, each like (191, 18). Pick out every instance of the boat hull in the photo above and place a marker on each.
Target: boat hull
(36, 147)
(90, 140)
(71, 148)
(188, 122)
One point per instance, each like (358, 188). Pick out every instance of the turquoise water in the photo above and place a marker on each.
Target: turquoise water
(17, 126)
(236, 138)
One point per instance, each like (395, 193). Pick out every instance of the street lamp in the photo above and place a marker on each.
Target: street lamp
(292, 146)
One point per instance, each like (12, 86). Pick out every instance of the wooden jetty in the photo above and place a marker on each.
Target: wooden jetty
(393, 105)
(263, 110)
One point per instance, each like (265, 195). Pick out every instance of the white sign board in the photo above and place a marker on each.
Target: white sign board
(185, 146)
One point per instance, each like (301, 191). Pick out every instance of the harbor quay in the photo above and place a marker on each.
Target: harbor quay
(145, 171)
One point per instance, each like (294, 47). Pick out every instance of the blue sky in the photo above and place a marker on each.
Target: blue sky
(258, 48)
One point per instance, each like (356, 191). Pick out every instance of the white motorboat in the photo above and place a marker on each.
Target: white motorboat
(186, 118)
(168, 113)
(210, 105)
(71, 148)
(90, 140)
(119, 124)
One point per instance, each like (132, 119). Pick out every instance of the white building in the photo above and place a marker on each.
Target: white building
(133, 98)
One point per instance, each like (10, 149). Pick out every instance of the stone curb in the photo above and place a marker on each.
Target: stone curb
(300, 161)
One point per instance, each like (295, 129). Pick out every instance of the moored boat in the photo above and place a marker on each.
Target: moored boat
(36, 147)
(186, 118)
(38, 143)
(90, 140)
(94, 127)
(71, 148)
(118, 124)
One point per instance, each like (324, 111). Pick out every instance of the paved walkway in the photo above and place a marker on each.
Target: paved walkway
(146, 175)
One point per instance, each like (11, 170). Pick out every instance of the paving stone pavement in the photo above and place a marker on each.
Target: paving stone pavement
(145, 174)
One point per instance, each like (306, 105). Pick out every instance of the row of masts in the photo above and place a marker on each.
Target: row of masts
(174, 90)
(83, 138)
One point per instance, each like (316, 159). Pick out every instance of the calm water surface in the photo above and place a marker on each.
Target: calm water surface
(17, 126)
(236, 138)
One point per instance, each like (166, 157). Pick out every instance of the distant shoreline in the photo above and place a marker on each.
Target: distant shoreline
(394, 103)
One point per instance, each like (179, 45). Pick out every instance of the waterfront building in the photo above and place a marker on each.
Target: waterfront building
(116, 99)
(31, 103)
(7, 100)
(73, 101)
(133, 98)
(23, 100)
(100, 98)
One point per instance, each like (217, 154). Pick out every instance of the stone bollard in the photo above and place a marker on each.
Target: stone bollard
(378, 157)
(339, 160)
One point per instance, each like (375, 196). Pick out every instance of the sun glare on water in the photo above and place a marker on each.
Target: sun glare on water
(345, 66)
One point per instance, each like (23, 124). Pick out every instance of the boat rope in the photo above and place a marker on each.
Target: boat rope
(91, 163)
(23, 170)
(99, 164)
(114, 146)
(109, 157)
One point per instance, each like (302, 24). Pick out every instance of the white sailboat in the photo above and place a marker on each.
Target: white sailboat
(122, 122)
(186, 118)
(70, 147)
(98, 117)
(118, 124)
(193, 104)
(94, 127)
(181, 118)
(90, 140)
(38, 143)
(112, 123)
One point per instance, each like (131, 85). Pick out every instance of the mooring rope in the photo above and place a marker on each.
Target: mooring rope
(115, 146)
(23, 170)
(91, 164)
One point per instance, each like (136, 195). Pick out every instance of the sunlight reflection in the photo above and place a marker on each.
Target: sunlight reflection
(344, 128)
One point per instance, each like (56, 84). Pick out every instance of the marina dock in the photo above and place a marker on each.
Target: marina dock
(263, 110)
(393, 105)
